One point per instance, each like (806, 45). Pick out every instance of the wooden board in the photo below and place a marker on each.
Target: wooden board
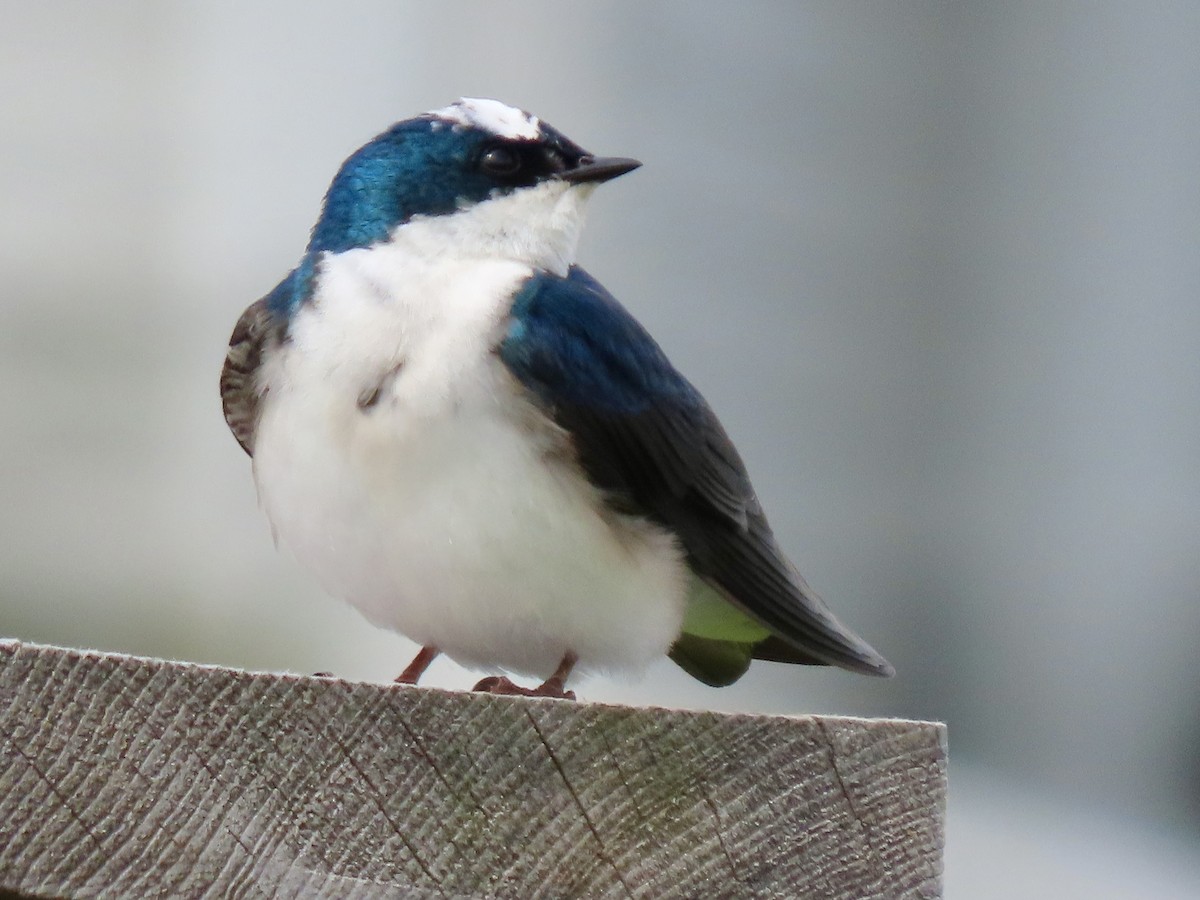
(133, 777)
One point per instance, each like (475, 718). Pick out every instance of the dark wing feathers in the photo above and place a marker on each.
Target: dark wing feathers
(646, 436)
(239, 388)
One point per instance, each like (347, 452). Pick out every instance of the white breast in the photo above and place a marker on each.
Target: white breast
(398, 460)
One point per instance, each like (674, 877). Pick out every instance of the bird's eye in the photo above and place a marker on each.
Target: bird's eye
(501, 161)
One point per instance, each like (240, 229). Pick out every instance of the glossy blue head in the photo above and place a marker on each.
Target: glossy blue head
(477, 177)
(445, 161)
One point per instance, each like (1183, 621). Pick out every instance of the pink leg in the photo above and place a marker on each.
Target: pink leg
(417, 667)
(554, 686)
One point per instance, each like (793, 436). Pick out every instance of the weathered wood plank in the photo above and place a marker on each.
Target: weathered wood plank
(132, 777)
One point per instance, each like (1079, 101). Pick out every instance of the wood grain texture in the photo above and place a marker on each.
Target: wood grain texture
(132, 777)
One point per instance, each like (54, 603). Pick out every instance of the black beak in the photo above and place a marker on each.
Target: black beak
(598, 169)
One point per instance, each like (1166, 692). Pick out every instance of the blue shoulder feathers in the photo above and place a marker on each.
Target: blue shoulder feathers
(297, 286)
(640, 429)
(571, 341)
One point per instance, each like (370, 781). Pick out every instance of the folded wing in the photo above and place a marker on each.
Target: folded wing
(648, 438)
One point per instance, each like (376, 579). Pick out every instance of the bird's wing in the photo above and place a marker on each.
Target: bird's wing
(647, 437)
(240, 392)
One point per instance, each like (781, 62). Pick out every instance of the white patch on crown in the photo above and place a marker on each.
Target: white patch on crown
(491, 115)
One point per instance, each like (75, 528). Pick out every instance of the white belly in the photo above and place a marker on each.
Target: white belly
(447, 509)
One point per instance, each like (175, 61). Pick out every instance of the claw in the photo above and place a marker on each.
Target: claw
(498, 684)
(554, 686)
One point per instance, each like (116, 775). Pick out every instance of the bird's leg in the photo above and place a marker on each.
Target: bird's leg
(554, 686)
(417, 667)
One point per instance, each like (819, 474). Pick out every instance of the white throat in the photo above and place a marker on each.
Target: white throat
(538, 226)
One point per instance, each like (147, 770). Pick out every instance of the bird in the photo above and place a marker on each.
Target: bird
(459, 431)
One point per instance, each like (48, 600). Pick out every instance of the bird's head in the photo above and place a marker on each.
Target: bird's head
(476, 178)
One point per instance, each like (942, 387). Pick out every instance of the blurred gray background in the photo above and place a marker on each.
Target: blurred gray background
(934, 264)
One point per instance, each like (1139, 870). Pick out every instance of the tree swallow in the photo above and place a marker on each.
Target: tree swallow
(463, 434)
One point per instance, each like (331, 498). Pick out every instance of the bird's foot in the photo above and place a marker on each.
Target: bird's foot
(498, 684)
(554, 686)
